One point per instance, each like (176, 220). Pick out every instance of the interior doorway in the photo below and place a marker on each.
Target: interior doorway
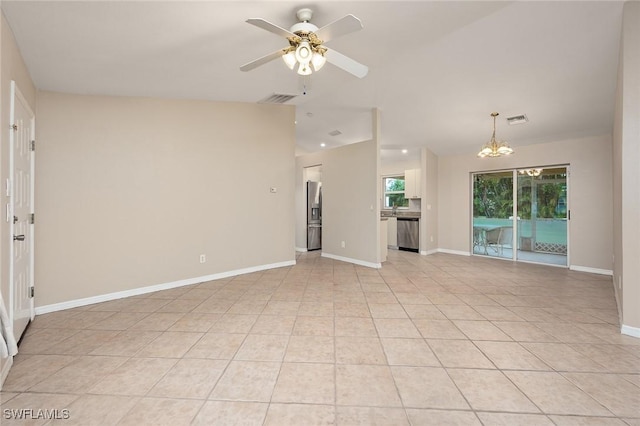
(522, 214)
(312, 178)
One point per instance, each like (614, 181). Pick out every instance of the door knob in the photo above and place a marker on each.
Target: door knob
(18, 237)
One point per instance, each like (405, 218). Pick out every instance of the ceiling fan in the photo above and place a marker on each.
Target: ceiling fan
(306, 51)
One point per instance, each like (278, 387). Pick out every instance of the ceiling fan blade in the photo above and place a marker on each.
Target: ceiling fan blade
(261, 61)
(346, 63)
(342, 26)
(272, 28)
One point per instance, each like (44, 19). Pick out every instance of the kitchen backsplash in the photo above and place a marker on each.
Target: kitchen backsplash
(414, 205)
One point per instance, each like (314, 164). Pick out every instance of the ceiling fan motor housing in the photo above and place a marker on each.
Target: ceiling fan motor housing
(304, 14)
(303, 28)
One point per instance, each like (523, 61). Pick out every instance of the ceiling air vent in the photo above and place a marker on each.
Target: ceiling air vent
(276, 98)
(517, 119)
(335, 133)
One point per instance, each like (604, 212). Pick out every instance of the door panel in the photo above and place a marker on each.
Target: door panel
(542, 210)
(493, 214)
(21, 201)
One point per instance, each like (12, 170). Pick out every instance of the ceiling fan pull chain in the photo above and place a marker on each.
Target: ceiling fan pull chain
(304, 84)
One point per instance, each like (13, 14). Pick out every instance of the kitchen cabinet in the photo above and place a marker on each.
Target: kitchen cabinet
(384, 223)
(412, 186)
(392, 232)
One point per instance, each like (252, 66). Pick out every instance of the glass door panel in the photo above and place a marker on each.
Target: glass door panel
(493, 214)
(542, 215)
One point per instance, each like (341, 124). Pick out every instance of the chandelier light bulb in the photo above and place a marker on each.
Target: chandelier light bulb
(503, 149)
(485, 151)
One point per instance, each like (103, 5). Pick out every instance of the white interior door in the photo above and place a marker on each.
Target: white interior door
(21, 208)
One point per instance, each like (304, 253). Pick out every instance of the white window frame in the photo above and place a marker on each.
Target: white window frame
(385, 192)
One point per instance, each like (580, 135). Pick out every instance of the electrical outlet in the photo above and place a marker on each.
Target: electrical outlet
(343, 244)
(203, 258)
(432, 238)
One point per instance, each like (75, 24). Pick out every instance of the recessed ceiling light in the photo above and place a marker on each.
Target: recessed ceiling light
(323, 144)
(404, 151)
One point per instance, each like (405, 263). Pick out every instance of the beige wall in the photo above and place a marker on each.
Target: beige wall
(590, 199)
(131, 191)
(398, 167)
(12, 67)
(626, 173)
(350, 202)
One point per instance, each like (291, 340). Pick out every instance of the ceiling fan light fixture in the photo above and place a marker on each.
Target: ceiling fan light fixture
(303, 52)
(495, 148)
(289, 58)
(303, 56)
(318, 60)
(304, 69)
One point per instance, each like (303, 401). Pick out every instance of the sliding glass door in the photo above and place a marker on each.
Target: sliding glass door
(542, 214)
(536, 230)
(493, 214)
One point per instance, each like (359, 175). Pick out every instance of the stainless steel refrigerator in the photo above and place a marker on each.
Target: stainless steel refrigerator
(314, 215)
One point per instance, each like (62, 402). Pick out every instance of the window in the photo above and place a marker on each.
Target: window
(394, 192)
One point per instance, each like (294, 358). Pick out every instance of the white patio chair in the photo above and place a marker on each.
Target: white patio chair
(499, 237)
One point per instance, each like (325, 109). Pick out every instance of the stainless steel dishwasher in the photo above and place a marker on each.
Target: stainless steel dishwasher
(409, 234)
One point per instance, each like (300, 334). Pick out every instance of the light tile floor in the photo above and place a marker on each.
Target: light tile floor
(426, 340)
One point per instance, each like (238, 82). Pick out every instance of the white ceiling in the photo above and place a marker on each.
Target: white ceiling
(436, 69)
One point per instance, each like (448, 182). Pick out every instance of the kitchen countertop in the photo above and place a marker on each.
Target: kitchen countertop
(388, 213)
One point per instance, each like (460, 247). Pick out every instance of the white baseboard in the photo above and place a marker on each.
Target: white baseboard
(456, 252)
(5, 370)
(150, 289)
(301, 249)
(428, 252)
(630, 331)
(354, 261)
(591, 270)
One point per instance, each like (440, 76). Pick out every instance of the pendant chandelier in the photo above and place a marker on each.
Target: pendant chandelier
(495, 148)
